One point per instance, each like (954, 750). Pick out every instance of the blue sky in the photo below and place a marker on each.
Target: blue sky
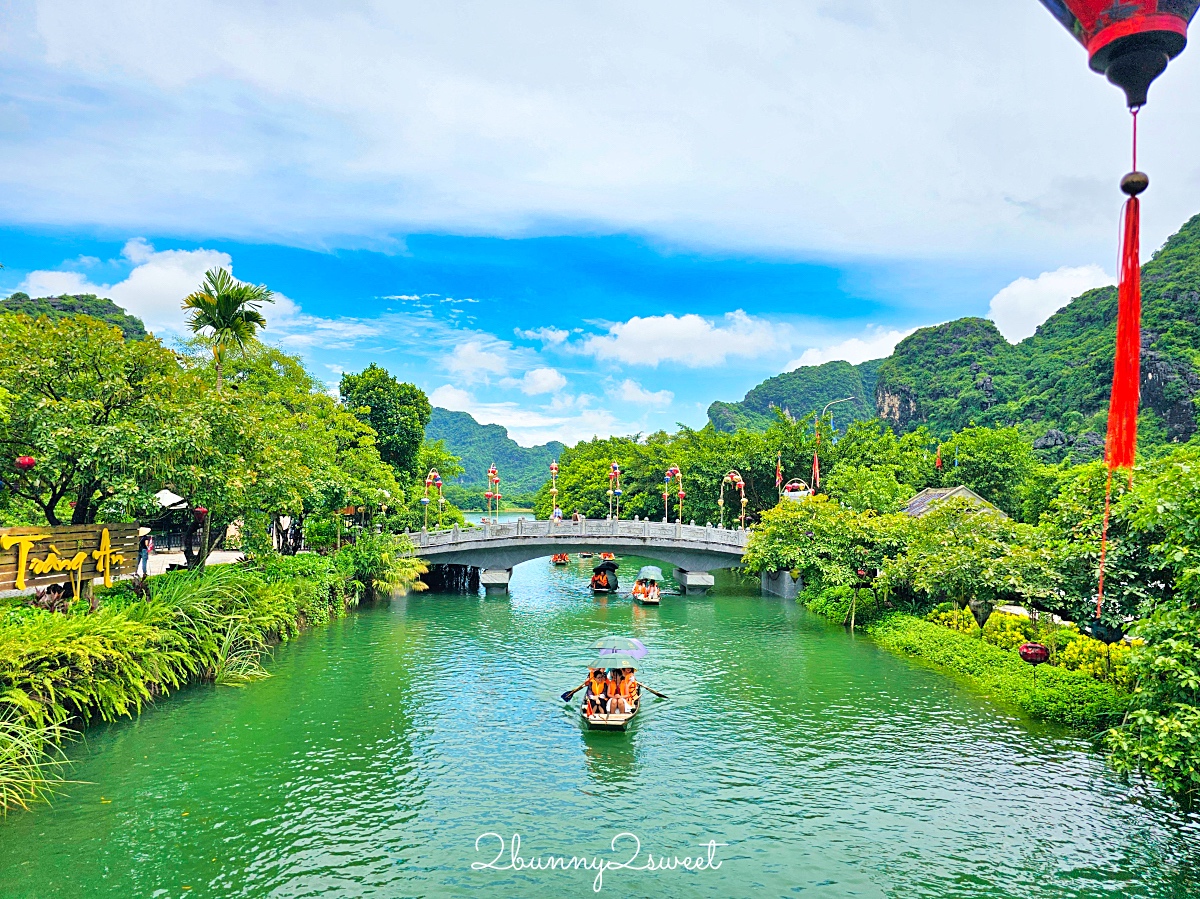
(568, 218)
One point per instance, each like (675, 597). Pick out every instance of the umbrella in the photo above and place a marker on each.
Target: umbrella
(622, 643)
(614, 661)
(606, 566)
(650, 573)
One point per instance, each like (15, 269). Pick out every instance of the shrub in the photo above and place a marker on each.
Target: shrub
(834, 604)
(1161, 738)
(1051, 694)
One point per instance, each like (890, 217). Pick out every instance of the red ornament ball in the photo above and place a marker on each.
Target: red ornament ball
(24, 463)
(1034, 653)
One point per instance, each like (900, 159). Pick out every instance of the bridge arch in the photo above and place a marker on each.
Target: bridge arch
(693, 550)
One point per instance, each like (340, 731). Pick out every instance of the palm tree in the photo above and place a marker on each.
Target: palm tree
(228, 309)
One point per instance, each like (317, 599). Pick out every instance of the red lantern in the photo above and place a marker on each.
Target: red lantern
(24, 463)
(1034, 653)
(1129, 41)
(199, 512)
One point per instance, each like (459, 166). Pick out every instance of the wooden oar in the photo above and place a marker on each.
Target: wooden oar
(652, 690)
(566, 697)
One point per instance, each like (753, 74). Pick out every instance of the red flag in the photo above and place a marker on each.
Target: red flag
(779, 471)
(816, 472)
(937, 463)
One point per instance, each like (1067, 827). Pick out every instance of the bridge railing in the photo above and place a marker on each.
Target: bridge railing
(595, 528)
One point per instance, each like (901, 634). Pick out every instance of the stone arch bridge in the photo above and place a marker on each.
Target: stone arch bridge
(692, 550)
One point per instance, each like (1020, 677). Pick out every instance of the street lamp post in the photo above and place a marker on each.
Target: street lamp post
(816, 478)
(433, 479)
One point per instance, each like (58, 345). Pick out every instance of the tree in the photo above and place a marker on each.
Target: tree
(1161, 734)
(994, 462)
(825, 543)
(861, 488)
(397, 411)
(228, 310)
(962, 553)
(102, 417)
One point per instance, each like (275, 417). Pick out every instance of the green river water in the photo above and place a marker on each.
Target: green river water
(386, 744)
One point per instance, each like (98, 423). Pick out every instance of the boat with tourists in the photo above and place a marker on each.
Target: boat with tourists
(612, 695)
(646, 590)
(608, 557)
(604, 578)
(560, 559)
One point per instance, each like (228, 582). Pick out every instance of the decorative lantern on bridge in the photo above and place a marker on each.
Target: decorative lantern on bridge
(1131, 42)
(614, 491)
(735, 480)
(492, 494)
(553, 487)
(672, 474)
(25, 463)
(434, 480)
(199, 513)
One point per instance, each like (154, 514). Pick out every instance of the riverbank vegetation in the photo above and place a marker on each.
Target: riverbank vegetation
(242, 434)
(932, 581)
(149, 638)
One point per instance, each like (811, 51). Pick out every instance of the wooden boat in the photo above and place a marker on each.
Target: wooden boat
(647, 599)
(586, 555)
(615, 721)
(607, 557)
(560, 559)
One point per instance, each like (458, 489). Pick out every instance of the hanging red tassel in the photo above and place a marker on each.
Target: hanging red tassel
(1121, 445)
(1126, 383)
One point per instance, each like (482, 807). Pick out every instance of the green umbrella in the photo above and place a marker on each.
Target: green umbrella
(614, 661)
(624, 644)
(650, 573)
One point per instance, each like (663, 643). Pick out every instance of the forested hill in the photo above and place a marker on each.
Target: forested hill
(799, 392)
(77, 304)
(522, 469)
(1053, 384)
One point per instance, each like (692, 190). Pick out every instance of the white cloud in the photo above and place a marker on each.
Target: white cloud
(690, 339)
(473, 360)
(630, 391)
(159, 280)
(875, 344)
(706, 121)
(541, 380)
(1024, 304)
(153, 290)
(548, 336)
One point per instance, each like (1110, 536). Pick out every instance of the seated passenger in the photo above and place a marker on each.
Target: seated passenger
(623, 696)
(597, 691)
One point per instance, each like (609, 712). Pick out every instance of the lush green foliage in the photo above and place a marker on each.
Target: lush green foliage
(1051, 694)
(76, 304)
(801, 392)
(958, 552)
(142, 643)
(1161, 736)
(104, 418)
(398, 413)
(523, 469)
